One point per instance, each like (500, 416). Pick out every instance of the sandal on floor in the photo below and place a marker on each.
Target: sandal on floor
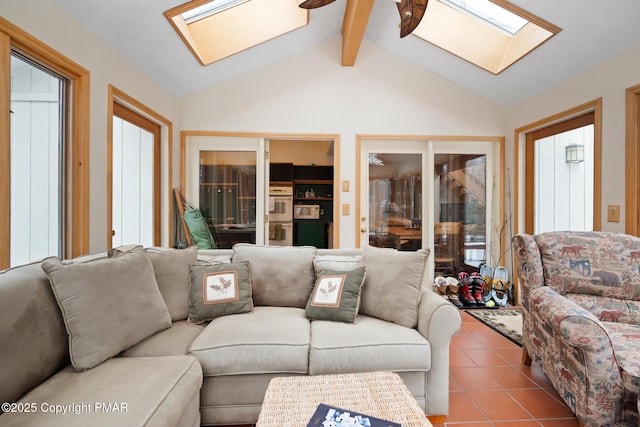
(500, 286)
(486, 271)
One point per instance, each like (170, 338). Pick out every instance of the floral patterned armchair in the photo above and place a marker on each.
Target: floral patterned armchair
(580, 293)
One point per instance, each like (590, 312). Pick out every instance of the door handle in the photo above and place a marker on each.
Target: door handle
(363, 230)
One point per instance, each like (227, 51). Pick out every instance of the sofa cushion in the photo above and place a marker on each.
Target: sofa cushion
(108, 305)
(393, 284)
(609, 309)
(369, 344)
(132, 391)
(267, 340)
(282, 276)
(596, 263)
(171, 269)
(219, 290)
(33, 337)
(336, 262)
(336, 295)
(174, 341)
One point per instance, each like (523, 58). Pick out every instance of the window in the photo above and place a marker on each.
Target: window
(589, 177)
(36, 161)
(57, 203)
(238, 24)
(561, 179)
(136, 179)
(139, 190)
(490, 34)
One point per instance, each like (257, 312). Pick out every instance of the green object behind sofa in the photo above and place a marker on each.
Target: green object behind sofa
(199, 230)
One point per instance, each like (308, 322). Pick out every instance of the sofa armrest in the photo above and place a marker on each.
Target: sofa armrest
(529, 266)
(438, 322)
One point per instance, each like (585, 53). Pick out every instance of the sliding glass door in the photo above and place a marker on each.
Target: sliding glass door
(225, 187)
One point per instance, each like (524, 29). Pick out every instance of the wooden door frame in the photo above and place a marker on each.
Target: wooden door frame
(164, 194)
(632, 161)
(545, 132)
(76, 200)
(302, 137)
(519, 160)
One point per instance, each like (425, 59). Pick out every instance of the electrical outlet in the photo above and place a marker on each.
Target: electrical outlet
(613, 213)
(346, 209)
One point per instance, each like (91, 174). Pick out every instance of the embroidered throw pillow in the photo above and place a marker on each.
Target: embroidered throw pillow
(219, 290)
(336, 295)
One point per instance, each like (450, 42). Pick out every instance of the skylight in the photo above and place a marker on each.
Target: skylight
(490, 13)
(216, 29)
(492, 34)
(208, 9)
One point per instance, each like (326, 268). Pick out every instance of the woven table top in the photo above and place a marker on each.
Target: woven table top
(291, 401)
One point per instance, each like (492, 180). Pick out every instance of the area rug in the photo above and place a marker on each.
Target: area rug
(506, 321)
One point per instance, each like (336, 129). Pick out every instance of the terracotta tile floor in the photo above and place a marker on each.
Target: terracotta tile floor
(489, 386)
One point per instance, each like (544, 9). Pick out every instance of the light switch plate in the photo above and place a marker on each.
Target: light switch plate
(613, 213)
(345, 186)
(346, 209)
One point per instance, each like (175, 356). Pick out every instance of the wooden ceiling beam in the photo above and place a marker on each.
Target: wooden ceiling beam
(356, 17)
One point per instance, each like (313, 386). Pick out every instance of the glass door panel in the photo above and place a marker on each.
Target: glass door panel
(36, 189)
(394, 195)
(221, 179)
(460, 213)
(563, 181)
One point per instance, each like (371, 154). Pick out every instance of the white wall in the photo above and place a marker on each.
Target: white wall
(51, 24)
(608, 81)
(311, 92)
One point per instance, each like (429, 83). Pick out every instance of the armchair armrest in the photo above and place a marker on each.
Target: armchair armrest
(529, 266)
(438, 322)
(576, 326)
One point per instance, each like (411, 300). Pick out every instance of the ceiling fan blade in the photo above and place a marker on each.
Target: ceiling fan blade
(411, 13)
(312, 4)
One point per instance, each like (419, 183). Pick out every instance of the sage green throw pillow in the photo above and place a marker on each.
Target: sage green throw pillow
(219, 290)
(107, 305)
(336, 295)
(393, 284)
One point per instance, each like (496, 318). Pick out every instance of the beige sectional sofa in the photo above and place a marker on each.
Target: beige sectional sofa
(77, 350)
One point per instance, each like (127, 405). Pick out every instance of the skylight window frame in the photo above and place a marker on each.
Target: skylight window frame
(235, 29)
(479, 42)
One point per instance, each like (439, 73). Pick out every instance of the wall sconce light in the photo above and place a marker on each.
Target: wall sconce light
(574, 153)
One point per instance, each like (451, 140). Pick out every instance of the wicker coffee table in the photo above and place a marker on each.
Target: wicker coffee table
(291, 401)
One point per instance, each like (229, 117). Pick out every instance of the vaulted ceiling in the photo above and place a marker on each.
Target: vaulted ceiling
(592, 31)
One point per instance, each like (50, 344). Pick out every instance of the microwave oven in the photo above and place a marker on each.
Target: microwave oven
(306, 211)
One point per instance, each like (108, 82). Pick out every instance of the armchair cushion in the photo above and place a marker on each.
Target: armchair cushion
(595, 263)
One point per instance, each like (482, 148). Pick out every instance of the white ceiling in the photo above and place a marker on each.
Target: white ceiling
(592, 32)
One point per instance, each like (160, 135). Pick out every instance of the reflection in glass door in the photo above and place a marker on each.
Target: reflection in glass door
(393, 218)
(228, 196)
(460, 213)
(225, 187)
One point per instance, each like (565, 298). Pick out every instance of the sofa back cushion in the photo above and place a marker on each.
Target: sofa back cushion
(108, 305)
(393, 284)
(172, 269)
(34, 340)
(282, 276)
(597, 263)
